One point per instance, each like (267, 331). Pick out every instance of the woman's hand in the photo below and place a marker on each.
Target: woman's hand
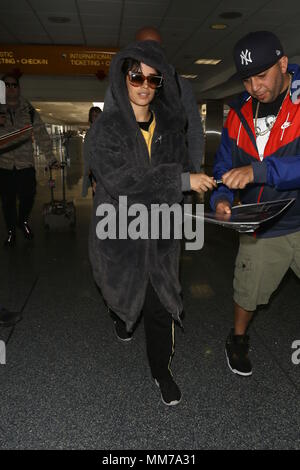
(201, 182)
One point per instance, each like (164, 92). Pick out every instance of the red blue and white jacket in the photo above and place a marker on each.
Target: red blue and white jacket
(277, 176)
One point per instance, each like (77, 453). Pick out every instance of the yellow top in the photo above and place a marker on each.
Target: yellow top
(148, 135)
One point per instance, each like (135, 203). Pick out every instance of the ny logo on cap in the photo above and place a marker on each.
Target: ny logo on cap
(245, 57)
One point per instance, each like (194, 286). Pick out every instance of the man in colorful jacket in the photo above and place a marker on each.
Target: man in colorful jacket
(260, 156)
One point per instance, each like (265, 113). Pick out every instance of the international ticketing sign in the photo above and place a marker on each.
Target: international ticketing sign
(55, 60)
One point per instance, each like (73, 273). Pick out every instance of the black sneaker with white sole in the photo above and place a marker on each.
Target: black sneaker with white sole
(120, 328)
(121, 332)
(170, 393)
(236, 350)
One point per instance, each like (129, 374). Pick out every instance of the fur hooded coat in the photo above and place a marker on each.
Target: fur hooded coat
(121, 165)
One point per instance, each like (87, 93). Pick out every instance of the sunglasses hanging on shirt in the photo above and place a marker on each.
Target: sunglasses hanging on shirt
(137, 79)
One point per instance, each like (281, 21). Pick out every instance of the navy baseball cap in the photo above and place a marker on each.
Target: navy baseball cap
(256, 52)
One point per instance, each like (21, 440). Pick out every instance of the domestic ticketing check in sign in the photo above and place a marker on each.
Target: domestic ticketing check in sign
(55, 59)
(247, 217)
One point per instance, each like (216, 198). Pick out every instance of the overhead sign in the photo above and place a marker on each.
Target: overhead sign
(55, 60)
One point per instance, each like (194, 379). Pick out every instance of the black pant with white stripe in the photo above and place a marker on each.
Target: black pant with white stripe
(159, 331)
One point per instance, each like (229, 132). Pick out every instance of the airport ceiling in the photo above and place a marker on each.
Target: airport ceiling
(186, 27)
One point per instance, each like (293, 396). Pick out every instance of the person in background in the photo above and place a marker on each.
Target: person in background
(17, 172)
(88, 180)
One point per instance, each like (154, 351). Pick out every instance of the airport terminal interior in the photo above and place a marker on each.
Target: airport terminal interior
(67, 382)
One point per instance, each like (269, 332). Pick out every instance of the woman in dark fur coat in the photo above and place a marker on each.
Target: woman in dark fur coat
(139, 156)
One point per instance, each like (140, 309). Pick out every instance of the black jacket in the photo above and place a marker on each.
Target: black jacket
(120, 162)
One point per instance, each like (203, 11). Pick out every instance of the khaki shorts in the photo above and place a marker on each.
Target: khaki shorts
(260, 266)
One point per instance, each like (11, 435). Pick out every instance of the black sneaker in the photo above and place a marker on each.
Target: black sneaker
(28, 233)
(120, 328)
(9, 318)
(170, 393)
(236, 350)
(10, 240)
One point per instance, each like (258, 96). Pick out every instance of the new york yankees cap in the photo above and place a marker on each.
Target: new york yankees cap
(256, 52)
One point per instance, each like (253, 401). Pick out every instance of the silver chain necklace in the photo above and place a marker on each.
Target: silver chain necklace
(271, 119)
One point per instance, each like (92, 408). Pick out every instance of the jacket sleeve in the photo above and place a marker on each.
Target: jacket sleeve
(145, 185)
(42, 138)
(222, 164)
(282, 173)
(6, 145)
(195, 137)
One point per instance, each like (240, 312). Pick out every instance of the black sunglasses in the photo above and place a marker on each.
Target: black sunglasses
(137, 79)
(11, 85)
